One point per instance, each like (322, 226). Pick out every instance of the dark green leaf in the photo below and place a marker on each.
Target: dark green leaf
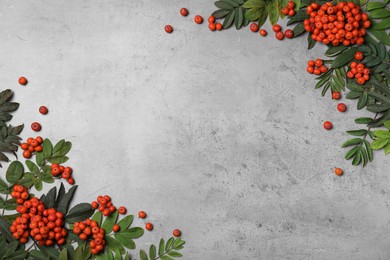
(14, 172)
(79, 212)
(344, 57)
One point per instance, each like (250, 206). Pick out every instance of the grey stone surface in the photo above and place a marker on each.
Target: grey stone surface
(218, 134)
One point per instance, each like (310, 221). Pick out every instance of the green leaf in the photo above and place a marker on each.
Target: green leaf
(64, 201)
(379, 144)
(223, 5)
(161, 247)
(374, 5)
(382, 25)
(63, 254)
(379, 13)
(387, 124)
(350, 142)
(58, 159)
(134, 232)
(344, 57)
(228, 20)
(382, 134)
(238, 17)
(253, 14)
(110, 222)
(165, 257)
(220, 13)
(368, 149)
(357, 159)
(387, 149)
(32, 167)
(38, 255)
(298, 30)
(335, 50)
(363, 120)
(98, 218)
(142, 255)
(273, 12)
(125, 239)
(351, 152)
(362, 102)
(311, 42)
(47, 149)
(360, 132)
(254, 4)
(126, 222)
(80, 212)
(14, 172)
(50, 198)
(3, 187)
(152, 252)
(169, 244)
(174, 254)
(38, 184)
(114, 244)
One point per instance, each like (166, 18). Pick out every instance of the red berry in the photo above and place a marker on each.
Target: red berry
(22, 81)
(341, 107)
(291, 12)
(218, 26)
(116, 228)
(211, 19)
(263, 32)
(310, 69)
(328, 125)
(149, 226)
(176, 233)
(336, 95)
(43, 110)
(291, 4)
(184, 11)
(142, 214)
(359, 55)
(276, 28)
(254, 27)
(285, 10)
(279, 36)
(122, 210)
(289, 33)
(36, 126)
(212, 26)
(198, 19)
(168, 28)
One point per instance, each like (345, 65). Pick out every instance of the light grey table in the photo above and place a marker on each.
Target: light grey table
(218, 134)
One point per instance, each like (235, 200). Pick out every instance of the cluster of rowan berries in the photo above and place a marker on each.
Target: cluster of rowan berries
(46, 226)
(20, 193)
(86, 229)
(212, 25)
(105, 205)
(279, 34)
(62, 172)
(342, 23)
(32, 146)
(289, 9)
(359, 72)
(317, 67)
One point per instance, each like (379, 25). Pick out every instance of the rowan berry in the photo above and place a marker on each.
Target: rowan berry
(211, 19)
(359, 55)
(142, 214)
(254, 27)
(328, 125)
(310, 69)
(218, 26)
(116, 228)
(168, 28)
(263, 32)
(279, 35)
(290, 4)
(176, 233)
(36, 126)
(27, 154)
(289, 33)
(122, 210)
(336, 95)
(198, 19)
(149, 226)
(285, 10)
(22, 81)
(43, 110)
(291, 12)
(338, 171)
(319, 62)
(341, 107)
(276, 28)
(184, 11)
(212, 27)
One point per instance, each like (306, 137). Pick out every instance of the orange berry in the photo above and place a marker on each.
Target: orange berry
(149, 226)
(338, 171)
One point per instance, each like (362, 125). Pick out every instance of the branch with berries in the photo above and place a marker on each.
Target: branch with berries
(50, 227)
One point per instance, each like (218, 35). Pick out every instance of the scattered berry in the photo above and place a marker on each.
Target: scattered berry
(328, 125)
(149, 226)
(341, 107)
(336, 95)
(22, 81)
(176, 233)
(254, 27)
(279, 36)
(116, 228)
(211, 19)
(338, 171)
(359, 55)
(168, 28)
(184, 11)
(43, 110)
(36, 127)
(198, 19)
(263, 32)
(142, 214)
(289, 33)
(276, 28)
(122, 210)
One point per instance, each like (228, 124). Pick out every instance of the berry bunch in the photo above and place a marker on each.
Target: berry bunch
(62, 172)
(88, 228)
(359, 72)
(20, 193)
(342, 23)
(46, 226)
(32, 146)
(279, 34)
(104, 205)
(214, 26)
(317, 67)
(289, 9)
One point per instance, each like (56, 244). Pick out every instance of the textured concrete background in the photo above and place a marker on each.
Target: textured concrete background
(218, 134)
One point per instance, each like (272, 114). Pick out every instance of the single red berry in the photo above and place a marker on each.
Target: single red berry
(198, 19)
(291, 12)
(218, 26)
(211, 19)
(328, 125)
(212, 26)
(359, 55)
(279, 36)
(168, 28)
(310, 69)
(263, 32)
(95, 205)
(254, 27)
(142, 214)
(116, 228)
(149, 226)
(184, 11)
(176, 233)
(341, 107)
(43, 110)
(319, 62)
(285, 10)
(336, 95)
(22, 81)
(122, 210)
(289, 33)
(36, 126)
(291, 4)
(338, 171)
(276, 28)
